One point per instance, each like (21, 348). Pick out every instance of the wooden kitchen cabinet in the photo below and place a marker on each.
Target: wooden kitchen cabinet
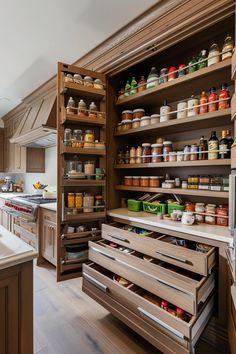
(48, 237)
(35, 160)
(16, 309)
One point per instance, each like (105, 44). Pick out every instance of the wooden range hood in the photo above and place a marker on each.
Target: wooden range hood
(38, 125)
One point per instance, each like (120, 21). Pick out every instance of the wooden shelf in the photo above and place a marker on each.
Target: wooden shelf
(200, 121)
(195, 192)
(77, 119)
(82, 91)
(82, 151)
(82, 183)
(86, 216)
(208, 163)
(177, 89)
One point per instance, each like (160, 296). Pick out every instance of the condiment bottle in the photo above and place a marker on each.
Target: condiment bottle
(223, 95)
(194, 66)
(223, 146)
(192, 110)
(152, 80)
(227, 50)
(214, 55)
(142, 84)
(203, 146)
(203, 59)
(181, 109)
(213, 145)
(203, 103)
(163, 76)
(127, 89)
(212, 107)
(172, 73)
(133, 86)
(164, 112)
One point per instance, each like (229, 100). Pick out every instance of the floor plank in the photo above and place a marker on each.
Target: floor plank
(67, 321)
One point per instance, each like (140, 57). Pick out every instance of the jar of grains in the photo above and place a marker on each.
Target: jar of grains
(138, 113)
(167, 148)
(136, 123)
(146, 152)
(127, 115)
(157, 149)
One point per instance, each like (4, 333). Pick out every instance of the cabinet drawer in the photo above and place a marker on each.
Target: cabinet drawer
(188, 292)
(27, 226)
(160, 247)
(49, 215)
(25, 235)
(133, 298)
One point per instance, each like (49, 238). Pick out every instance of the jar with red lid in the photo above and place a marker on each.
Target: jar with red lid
(181, 70)
(223, 95)
(136, 181)
(128, 181)
(212, 106)
(146, 152)
(144, 181)
(167, 148)
(222, 213)
(157, 149)
(164, 305)
(172, 73)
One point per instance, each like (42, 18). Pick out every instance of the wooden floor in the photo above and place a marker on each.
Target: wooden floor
(67, 321)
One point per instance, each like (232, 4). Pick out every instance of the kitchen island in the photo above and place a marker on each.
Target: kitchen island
(16, 294)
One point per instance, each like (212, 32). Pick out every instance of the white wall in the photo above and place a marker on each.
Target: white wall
(50, 175)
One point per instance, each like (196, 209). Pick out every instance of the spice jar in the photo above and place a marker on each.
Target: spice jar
(67, 137)
(97, 83)
(152, 80)
(167, 148)
(121, 94)
(184, 185)
(157, 149)
(138, 113)
(136, 181)
(100, 172)
(180, 156)
(227, 51)
(214, 55)
(142, 84)
(172, 156)
(154, 181)
(126, 115)
(221, 212)
(70, 200)
(88, 81)
(163, 76)
(93, 110)
(89, 136)
(186, 153)
(89, 169)
(88, 203)
(200, 208)
(164, 112)
(194, 151)
(144, 181)
(155, 118)
(210, 211)
(78, 200)
(78, 79)
(224, 96)
(192, 109)
(70, 108)
(126, 124)
(203, 103)
(82, 108)
(68, 78)
(99, 203)
(77, 140)
(181, 70)
(139, 152)
(181, 110)
(146, 152)
(172, 73)
(74, 165)
(144, 121)
(136, 123)
(132, 155)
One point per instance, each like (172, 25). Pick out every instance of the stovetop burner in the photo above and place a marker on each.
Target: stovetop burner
(38, 199)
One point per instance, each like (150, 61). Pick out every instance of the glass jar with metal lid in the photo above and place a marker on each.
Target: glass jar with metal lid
(157, 151)
(146, 152)
(77, 140)
(136, 123)
(167, 148)
(138, 113)
(89, 136)
(144, 121)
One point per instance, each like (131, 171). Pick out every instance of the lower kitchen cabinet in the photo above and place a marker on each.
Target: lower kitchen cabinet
(26, 231)
(16, 309)
(48, 237)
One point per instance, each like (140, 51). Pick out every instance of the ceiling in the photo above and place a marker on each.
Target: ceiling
(37, 34)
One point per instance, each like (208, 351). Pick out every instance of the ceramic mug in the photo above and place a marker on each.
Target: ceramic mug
(188, 218)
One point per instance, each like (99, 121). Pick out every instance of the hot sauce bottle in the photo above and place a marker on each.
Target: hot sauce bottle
(203, 106)
(212, 107)
(224, 93)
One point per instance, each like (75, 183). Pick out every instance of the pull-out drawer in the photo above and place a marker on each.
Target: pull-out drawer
(188, 292)
(145, 305)
(162, 247)
(231, 258)
(26, 236)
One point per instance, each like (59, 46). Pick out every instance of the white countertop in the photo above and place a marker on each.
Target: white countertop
(11, 195)
(49, 206)
(13, 250)
(213, 232)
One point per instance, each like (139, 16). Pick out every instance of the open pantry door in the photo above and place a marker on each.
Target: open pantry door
(81, 158)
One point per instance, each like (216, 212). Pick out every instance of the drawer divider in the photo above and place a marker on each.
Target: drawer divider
(95, 282)
(156, 320)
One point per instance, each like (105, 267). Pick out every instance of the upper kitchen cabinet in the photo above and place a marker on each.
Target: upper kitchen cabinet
(1, 150)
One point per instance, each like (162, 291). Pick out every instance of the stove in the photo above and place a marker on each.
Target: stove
(25, 207)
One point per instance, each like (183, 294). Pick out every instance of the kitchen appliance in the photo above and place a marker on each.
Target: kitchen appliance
(25, 207)
(8, 185)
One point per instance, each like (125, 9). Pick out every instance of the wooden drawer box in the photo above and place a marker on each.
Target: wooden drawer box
(180, 290)
(29, 227)
(25, 235)
(160, 247)
(133, 298)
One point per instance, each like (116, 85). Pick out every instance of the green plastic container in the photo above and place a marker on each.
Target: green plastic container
(154, 208)
(135, 205)
(172, 207)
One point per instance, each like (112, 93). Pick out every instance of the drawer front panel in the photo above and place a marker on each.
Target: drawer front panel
(29, 227)
(144, 308)
(196, 262)
(49, 215)
(25, 235)
(179, 290)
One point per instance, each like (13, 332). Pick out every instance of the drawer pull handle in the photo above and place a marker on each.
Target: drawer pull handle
(160, 323)
(172, 256)
(95, 282)
(118, 238)
(103, 253)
